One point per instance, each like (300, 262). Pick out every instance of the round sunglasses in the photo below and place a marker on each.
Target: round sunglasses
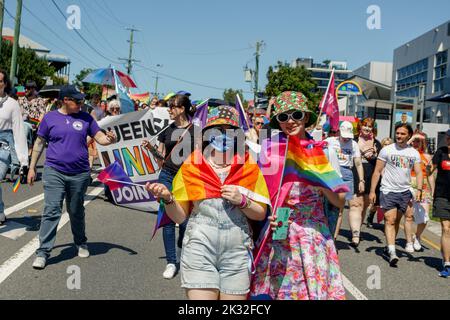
(296, 116)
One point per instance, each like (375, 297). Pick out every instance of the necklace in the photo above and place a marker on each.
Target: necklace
(217, 166)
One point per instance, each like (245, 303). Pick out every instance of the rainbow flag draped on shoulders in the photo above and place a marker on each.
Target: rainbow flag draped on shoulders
(196, 180)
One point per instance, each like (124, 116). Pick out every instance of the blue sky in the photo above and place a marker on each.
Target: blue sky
(208, 42)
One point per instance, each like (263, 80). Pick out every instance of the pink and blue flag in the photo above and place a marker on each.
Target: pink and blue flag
(114, 176)
(126, 105)
(330, 105)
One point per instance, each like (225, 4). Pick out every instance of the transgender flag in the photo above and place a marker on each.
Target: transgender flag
(329, 104)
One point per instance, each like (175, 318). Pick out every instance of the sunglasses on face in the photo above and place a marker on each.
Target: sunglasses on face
(259, 123)
(115, 109)
(296, 116)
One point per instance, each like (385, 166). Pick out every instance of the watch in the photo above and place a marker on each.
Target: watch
(170, 201)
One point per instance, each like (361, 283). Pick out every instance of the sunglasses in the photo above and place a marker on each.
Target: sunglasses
(259, 123)
(296, 116)
(115, 109)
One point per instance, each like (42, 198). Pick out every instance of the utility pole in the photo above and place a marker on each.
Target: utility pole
(130, 59)
(259, 44)
(156, 79)
(2, 12)
(12, 73)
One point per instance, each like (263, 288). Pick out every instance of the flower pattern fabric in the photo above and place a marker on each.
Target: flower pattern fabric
(305, 266)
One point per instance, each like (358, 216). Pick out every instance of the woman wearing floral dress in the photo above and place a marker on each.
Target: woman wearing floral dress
(305, 265)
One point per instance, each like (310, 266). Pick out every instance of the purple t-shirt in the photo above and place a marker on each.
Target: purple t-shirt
(67, 140)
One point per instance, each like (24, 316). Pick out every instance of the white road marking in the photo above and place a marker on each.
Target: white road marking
(13, 263)
(24, 204)
(350, 288)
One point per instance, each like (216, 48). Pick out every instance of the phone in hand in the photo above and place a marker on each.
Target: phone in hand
(282, 221)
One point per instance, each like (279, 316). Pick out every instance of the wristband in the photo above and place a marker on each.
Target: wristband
(243, 203)
(170, 201)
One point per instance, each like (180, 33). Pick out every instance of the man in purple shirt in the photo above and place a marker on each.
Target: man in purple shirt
(66, 171)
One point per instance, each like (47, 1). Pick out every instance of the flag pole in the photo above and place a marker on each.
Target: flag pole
(324, 97)
(242, 110)
(128, 183)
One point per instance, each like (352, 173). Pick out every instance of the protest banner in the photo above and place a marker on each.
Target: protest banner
(131, 129)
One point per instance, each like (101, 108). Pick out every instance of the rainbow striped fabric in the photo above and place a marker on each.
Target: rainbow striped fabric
(16, 185)
(196, 179)
(306, 161)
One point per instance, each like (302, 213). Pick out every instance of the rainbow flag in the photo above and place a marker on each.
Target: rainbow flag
(142, 97)
(34, 121)
(16, 185)
(196, 180)
(306, 161)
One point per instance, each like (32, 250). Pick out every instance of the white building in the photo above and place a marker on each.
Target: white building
(424, 62)
(376, 71)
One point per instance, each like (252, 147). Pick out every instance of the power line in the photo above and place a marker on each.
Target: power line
(105, 39)
(57, 35)
(113, 23)
(112, 13)
(82, 38)
(186, 81)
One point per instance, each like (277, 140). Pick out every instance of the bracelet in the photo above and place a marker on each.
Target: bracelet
(243, 201)
(170, 201)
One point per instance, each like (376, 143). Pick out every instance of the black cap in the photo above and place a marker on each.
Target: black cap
(70, 91)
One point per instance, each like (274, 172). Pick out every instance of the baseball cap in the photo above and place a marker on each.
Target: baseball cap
(184, 93)
(70, 91)
(346, 130)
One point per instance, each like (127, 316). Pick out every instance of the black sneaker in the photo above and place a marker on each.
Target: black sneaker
(370, 217)
(393, 259)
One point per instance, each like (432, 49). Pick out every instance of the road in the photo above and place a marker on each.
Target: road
(126, 264)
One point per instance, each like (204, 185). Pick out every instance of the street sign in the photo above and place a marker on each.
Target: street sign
(349, 88)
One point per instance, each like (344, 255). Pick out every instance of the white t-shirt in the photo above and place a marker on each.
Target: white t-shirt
(11, 119)
(397, 172)
(345, 152)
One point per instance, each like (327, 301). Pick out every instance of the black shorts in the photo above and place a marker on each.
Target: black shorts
(441, 208)
(395, 200)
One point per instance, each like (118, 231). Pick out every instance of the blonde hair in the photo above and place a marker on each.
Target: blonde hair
(386, 141)
(113, 103)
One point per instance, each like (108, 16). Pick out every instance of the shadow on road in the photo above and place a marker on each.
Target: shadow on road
(95, 249)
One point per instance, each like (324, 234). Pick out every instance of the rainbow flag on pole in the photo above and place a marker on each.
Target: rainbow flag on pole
(306, 161)
(196, 180)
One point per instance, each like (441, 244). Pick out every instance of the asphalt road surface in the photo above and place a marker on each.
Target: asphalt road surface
(126, 264)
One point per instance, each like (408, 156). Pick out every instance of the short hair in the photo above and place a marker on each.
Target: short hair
(368, 122)
(407, 126)
(113, 103)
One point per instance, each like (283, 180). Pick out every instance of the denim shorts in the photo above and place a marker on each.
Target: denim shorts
(216, 251)
(395, 200)
(347, 176)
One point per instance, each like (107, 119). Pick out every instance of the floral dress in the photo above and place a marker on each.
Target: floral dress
(305, 266)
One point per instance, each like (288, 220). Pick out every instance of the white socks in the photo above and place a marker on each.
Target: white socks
(391, 248)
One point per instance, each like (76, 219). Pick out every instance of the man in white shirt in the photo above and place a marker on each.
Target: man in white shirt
(12, 134)
(397, 160)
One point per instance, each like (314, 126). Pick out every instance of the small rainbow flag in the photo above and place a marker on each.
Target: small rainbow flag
(34, 121)
(16, 185)
(306, 161)
(196, 180)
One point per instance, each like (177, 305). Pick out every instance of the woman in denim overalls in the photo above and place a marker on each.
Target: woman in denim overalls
(216, 256)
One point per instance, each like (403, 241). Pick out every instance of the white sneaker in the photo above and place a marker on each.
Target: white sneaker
(170, 271)
(416, 244)
(39, 263)
(409, 247)
(83, 251)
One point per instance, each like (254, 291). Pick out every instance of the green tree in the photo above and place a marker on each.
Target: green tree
(88, 88)
(229, 96)
(30, 66)
(283, 77)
